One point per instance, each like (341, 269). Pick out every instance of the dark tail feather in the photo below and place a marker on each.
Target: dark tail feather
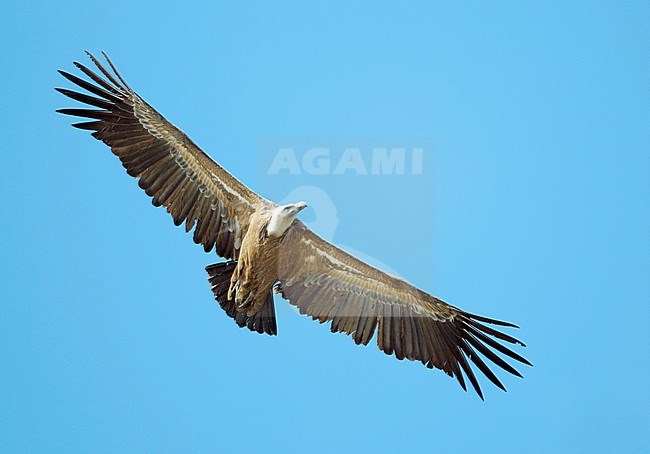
(263, 321)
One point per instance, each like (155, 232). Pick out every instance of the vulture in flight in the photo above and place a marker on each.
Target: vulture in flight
(268, 250)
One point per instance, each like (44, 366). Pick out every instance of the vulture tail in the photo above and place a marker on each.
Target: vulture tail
(263, 321)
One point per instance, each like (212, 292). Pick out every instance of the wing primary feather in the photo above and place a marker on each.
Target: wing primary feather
(455, 367)
(470, 375)
(494, 344)
(494, 332)
(97, 79)
(459, 377)
(97, 102)
(90, 87)
(489, 354)
(106, 115)
(452, 360)
(88, 125)
(491, 321)
(87, 113)
(108, 75)
(110, 63)
(472, 355)
(457, 358)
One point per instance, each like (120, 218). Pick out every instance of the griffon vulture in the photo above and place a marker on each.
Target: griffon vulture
(268, 250)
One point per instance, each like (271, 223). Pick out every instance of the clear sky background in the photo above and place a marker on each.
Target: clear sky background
(532, 207)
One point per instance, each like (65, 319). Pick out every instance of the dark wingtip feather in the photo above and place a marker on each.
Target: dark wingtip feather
(102, 89)
(66, 74)
(88, 125)
(494, 344)
(90, 100)
(491, 321)
(493, 332)
(103, 70)
(84, 113)
(461, 380)
(119, 76)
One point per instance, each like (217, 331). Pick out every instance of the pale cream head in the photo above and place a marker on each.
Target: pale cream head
(282, 218)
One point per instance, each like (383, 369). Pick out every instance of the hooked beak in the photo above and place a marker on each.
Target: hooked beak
(300, 206)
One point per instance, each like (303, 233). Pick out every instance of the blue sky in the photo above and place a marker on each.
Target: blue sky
(532, 206)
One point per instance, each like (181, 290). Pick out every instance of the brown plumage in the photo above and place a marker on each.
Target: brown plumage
(268, 249)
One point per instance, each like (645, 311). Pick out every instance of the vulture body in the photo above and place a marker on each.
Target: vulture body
(267, 249)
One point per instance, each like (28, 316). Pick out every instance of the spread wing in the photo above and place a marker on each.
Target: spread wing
(170, 167)
(332, 286)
